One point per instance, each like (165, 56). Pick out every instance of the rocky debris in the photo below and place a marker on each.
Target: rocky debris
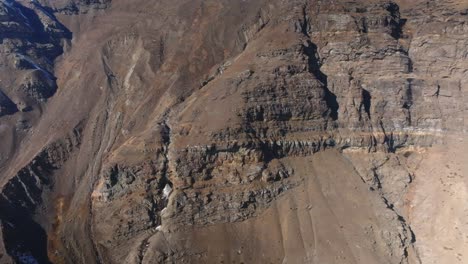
(121, 189)
(32, 38)
(74, 7)
(39, 85)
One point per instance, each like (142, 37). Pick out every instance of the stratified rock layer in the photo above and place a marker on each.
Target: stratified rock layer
(231, 131)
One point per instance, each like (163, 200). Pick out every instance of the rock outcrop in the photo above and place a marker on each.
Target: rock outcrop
(229, 131)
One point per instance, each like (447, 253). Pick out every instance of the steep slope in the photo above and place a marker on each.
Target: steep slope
(233, 131)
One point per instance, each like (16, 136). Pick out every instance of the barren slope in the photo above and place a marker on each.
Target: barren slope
(227, 131)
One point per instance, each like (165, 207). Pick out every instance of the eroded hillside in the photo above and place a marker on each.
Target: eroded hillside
(224, 131)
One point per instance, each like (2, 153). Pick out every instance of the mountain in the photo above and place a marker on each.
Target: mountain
(233, 131)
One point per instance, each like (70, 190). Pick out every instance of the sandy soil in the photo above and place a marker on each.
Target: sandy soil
(438, 208)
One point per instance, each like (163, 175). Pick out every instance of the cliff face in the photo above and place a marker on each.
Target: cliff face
(233, 131)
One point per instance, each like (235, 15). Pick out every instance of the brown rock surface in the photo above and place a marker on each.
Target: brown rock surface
(233, 131)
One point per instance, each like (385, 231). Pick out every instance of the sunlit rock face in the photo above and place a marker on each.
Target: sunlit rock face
(233, 131)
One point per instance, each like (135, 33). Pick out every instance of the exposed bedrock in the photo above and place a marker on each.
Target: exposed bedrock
(229, 131)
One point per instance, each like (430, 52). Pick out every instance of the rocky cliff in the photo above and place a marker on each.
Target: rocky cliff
(233, 131)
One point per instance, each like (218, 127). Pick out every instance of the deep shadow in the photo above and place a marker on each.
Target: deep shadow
(314, 67)
(6, 105)
(23, 237)
(366, 101)
(396, 23)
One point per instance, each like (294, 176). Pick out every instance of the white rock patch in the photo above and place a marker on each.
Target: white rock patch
(167, 191)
